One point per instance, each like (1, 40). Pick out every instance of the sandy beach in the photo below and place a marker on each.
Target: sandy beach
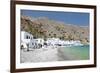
(49, 54)
(40, 55)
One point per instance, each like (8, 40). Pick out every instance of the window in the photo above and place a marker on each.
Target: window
(26, 36)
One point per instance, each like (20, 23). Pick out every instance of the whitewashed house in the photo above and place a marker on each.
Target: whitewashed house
(70, 43)
(77, 43)
(40, 41)
(28, 41)
(26, 37)
(52, 41)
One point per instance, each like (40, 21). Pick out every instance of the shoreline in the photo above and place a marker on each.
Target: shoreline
(47, 54)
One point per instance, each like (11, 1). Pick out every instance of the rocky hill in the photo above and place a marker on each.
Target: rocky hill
(44, 27)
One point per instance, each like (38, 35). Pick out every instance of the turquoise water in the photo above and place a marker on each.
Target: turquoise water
(78, 52)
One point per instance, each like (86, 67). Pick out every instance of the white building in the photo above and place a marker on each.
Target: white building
(27, 38)
(70, 43)
(40, 41)
(28, 41)
(58, 42)
(52, 41)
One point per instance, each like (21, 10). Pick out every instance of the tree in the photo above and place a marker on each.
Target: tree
(55, 35)
(70, 37)
(49, 34)
(62, 38)
(45, 37)
(58, 28)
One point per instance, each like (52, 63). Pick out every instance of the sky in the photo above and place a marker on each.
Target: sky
(76, 18)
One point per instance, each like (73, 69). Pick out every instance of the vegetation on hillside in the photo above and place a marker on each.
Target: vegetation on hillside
(43, 27)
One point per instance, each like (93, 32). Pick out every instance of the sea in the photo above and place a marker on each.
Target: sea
(78, 52)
